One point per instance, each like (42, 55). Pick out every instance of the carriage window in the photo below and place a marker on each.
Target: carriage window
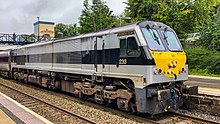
(129, 47)
(3, 59)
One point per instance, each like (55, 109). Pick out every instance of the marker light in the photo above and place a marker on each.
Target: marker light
(157, 71)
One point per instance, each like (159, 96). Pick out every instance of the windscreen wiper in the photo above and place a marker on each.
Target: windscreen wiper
(153, 34)
(165, 37)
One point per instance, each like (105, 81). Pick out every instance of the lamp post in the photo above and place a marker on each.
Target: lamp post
(60, 34)
(38, 37)
(123, 18)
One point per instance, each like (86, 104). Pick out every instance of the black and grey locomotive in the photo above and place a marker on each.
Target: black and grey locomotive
(140, 67)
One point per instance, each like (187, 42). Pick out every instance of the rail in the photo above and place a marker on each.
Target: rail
(49, 104)
(169, 117)
(192, 118)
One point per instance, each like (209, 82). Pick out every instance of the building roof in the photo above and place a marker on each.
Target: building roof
(44, 22)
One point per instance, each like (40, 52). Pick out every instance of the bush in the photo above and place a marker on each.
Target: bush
(203, 61)
(210, 38)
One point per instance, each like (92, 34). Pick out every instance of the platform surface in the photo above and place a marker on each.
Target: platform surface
(204, 81)
(12, 112)
(4, 119)
(209, 91)
(207, 85)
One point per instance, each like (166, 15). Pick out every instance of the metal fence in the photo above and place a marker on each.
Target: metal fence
(21, 39)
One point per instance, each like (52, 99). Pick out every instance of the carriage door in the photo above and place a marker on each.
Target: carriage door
(98, 54)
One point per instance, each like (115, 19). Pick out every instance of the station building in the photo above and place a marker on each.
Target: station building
(44, 28)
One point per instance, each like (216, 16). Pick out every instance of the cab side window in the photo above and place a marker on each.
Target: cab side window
(129, 47)
(123, 47)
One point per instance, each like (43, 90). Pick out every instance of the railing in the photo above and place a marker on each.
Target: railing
(21, 39)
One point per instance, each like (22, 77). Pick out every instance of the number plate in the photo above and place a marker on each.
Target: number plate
(122, 61)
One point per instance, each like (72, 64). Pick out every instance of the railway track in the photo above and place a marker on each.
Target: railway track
(54, 112)
(113, 111)
(190, 119)
(171, 118)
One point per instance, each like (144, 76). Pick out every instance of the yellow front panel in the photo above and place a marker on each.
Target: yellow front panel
(170, 63)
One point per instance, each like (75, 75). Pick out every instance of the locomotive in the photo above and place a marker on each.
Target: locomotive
(139, 67)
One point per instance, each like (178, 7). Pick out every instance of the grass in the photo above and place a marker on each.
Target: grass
(202, 73)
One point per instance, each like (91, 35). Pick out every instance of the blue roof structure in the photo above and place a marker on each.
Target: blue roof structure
(43, 22)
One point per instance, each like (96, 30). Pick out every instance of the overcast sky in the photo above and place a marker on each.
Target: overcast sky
(19, 15)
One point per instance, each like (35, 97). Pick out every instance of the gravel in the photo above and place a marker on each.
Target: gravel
(94, 114)
(200, 114)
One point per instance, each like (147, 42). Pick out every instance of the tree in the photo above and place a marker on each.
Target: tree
(95, 16)
(72, 29)
(184, 16)
(210, 37)
(174, 13)
(62, 30)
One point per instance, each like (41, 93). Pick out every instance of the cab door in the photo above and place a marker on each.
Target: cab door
(99, 54)
(129, 55)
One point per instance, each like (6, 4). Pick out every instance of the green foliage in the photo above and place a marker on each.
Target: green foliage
(211, 33)
(95, 16)
(184, 16)
(62, 30)
(205, 61)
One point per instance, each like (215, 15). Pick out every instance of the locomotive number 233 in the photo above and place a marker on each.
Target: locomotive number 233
(123, 61)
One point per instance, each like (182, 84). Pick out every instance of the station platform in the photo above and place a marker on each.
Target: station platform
(204, 77)
(203, 81)
(12, 112)
(209, 91)
(206, 85)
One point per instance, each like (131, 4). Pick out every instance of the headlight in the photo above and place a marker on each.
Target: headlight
(169, 71)
(157, 71)
(174, 63)
(184, 70)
